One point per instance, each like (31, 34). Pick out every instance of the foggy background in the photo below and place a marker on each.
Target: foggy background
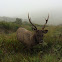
(38, 10)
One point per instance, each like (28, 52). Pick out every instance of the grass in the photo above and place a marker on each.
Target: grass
(11, 50)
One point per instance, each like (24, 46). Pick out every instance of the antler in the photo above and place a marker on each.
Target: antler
(31, 22)
(45, 23)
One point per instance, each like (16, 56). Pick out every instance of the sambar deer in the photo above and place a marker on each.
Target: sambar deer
(30, 39)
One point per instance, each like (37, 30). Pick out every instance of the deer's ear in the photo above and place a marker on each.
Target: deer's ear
(45, 31)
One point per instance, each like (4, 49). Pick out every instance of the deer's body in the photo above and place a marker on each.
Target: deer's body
(25, 36)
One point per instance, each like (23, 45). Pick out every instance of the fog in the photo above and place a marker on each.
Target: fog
(38, 10)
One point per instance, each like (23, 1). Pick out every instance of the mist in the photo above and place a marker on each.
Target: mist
(38, 10)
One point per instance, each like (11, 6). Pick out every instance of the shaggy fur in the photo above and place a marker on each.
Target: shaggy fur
(27, 37)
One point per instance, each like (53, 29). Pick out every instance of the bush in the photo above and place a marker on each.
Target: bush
(8, 26)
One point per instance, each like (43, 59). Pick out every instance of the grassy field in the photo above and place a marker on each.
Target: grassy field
(11, 50)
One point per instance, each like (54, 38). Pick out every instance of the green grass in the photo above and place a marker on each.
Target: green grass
(49, 58)
(11, 50)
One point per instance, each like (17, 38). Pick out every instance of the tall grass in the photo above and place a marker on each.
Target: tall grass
(11, 50)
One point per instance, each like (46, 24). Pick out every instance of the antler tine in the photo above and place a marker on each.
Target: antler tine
(31, 22)
(45, 23)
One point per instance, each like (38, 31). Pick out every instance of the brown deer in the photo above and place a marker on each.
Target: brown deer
(30, 39)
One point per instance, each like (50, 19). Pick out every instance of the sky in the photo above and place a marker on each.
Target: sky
(38, 10)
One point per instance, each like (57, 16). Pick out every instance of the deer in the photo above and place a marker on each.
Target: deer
(31, 38)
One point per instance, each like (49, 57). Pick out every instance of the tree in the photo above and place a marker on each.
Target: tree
(18, 21)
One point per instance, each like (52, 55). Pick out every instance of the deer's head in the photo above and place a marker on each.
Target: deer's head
(39, 33)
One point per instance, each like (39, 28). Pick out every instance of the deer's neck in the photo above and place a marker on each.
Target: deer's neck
(33, 39)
